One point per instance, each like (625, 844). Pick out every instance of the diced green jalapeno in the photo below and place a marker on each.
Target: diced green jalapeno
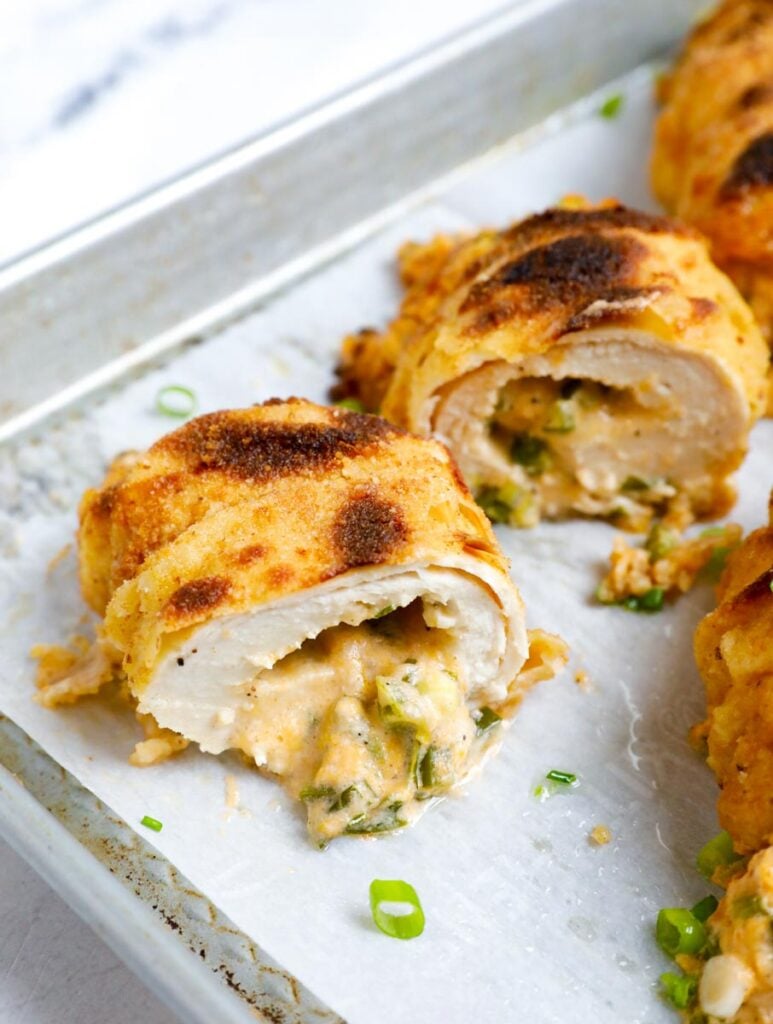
(561, 418)
(532, 453)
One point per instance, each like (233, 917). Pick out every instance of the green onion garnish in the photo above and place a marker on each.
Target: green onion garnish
(704, 908)
(486, 720)
(408, 922)
(562, 778)
(717, 853)
(612, 106)
(650, 601)
(679, 989)
(352, 404)
(679, 931)
(177, 401)
(152, 823)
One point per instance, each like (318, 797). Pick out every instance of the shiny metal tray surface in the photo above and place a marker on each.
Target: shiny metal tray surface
(177, 265)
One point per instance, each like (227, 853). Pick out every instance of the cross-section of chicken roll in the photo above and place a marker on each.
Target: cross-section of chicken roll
(713, 157)
(315, 588)
(734, 651)
(587, 360)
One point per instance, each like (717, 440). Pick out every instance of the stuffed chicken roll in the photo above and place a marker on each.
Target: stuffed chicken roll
(734, 651)
(587, 360)
(317, 589)
(713, 156)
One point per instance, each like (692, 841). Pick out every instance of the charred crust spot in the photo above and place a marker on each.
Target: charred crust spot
(752, 169)
(572, 271)
(367, 529)
(250, 554)
(755, 591)
(755, 95)
(260, 450)
(198, 596)
(616, 217)
(702, 307)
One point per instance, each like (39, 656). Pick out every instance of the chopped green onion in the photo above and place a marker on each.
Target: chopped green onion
(718, 852)
(745, 907)
(387, 821)
(310, 793)
(715, 566)
(679, 931)
(384, 893)
(352, 404)
(151, 823)
(651, 600)
(486, 720)
(704, 908)
(679, 989)
(612, 106)
(635, 483)
(344, 799)
(508, 504)
(387, 610)
(563, 778)
(561, 417)
(177, 401)
(660, 542)
(530, 452)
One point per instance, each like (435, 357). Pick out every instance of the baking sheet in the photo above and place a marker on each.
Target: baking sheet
(524, 916)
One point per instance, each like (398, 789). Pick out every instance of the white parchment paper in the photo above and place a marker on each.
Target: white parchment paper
(526, 920)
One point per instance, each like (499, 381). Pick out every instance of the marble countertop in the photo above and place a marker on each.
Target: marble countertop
(102, 100)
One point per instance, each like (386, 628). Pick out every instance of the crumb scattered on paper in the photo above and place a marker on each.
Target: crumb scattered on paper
(231, 792)
(600, 835)
(58, 558)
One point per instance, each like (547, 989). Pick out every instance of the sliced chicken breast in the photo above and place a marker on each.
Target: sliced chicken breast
(588, 360)
(317, 589)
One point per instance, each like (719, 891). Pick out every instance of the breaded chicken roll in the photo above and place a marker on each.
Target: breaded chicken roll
(734, 651)
(735, 980)
(587, 360)
(315, 588)
(713, 158)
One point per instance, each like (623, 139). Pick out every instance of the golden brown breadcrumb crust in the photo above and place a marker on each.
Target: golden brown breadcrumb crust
(734, 653)
(242, 507)
(712, 161)
(515, 293)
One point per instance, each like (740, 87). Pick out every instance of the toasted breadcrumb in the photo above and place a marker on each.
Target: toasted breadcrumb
(600, 835)
(673, 566)
(231, 792)
(58, 558)
(548, 654)
(159, 745)
(582, 678)
(65, 674)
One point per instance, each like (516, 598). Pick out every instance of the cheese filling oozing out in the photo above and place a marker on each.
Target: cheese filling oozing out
(363, 722)
(548, 428)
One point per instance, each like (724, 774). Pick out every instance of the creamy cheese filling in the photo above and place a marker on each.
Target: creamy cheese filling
(364, 696)
(613, 423)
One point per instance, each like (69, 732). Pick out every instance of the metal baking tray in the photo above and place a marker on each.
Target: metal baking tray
(175, 267)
